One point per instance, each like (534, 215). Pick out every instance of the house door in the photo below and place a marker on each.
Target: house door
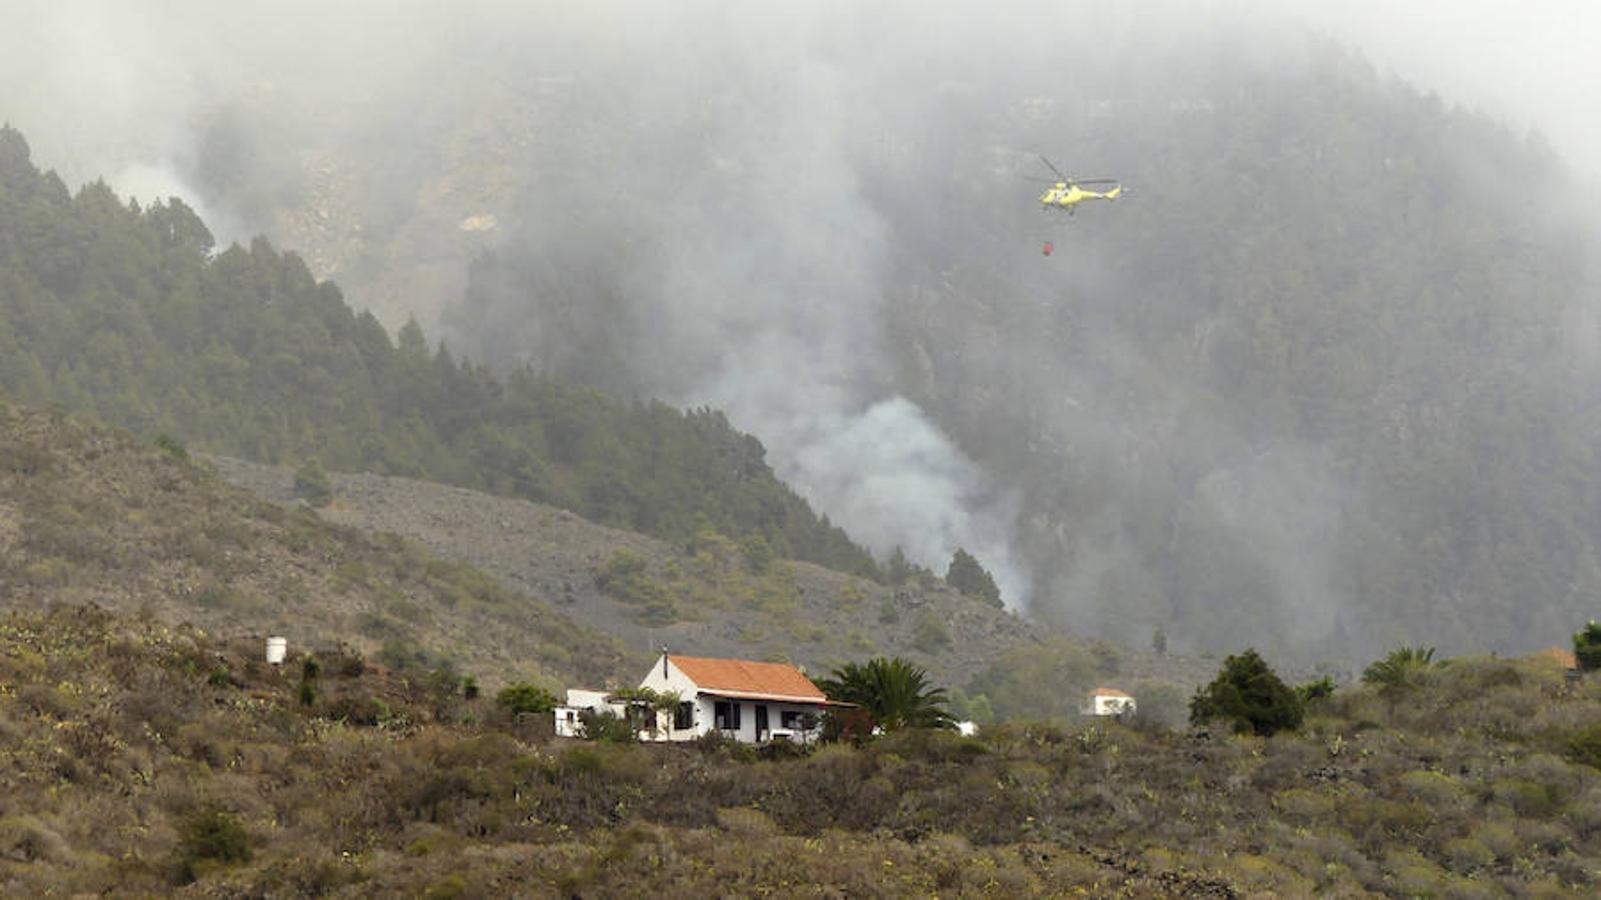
(761, 722)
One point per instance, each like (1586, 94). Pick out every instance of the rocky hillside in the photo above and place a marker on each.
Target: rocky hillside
(707, 598)
(89, 515)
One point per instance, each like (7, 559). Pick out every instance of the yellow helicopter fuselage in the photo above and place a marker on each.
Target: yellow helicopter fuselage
(1065, 195)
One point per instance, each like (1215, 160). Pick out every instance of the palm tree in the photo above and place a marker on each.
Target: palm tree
(894, 691)
(1400, 669)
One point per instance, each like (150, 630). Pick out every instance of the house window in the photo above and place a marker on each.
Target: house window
(726, 715)
(797, 719)
(684, 716)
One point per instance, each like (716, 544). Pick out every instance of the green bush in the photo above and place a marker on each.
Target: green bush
(1321, 689)
(930, 635)
(1584, 747)
(1248, 694)
(211, 836)
(312, 483)
(606, 727)
(524, 698)
(1587, 646)
(171, 446)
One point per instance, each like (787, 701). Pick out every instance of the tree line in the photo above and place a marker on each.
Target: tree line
(132, 314)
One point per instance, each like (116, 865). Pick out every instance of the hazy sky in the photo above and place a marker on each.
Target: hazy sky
(137, 66)
(1534, 64)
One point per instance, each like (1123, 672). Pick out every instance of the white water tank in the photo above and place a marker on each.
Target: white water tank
(277, 647)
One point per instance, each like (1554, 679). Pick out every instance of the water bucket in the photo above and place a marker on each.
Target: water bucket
(277, 647)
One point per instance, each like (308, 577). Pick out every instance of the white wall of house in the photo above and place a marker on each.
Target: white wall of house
(783, 719)
(665, 677)
(1110, 704)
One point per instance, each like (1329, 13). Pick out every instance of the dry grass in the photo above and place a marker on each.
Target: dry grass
(138, 756)
(88, 514)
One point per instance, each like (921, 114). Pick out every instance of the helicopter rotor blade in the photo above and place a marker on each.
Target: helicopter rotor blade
(1094, 180)
(1058, 172)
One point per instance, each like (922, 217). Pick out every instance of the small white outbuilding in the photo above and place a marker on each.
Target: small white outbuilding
(578, 702)
(1105, 701)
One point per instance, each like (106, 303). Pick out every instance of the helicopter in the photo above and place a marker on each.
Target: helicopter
(1067, 193)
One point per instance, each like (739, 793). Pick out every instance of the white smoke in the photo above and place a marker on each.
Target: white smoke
(773, 309)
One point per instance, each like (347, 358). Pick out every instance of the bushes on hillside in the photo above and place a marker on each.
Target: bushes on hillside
(1249, 695)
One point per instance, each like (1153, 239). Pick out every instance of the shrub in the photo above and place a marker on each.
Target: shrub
(312, 483)
(607, 727)
(1466, 854)
(524, 698)
(25, 838)
(346, 662)
(930, 635)
(1248, 694)
(171, 446)
(211, 836)
(1321, 689)
(1587, 646)
(744, 822)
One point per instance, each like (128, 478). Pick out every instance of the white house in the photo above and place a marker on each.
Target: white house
(753, 702)
(1105, 701)
(578, 701)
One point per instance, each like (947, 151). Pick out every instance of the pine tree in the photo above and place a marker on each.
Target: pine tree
(966, 575)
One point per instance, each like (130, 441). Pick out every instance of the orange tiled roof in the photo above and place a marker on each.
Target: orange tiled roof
(1108, 692)
(744, 678)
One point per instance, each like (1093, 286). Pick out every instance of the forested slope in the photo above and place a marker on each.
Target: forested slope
(126, 313)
